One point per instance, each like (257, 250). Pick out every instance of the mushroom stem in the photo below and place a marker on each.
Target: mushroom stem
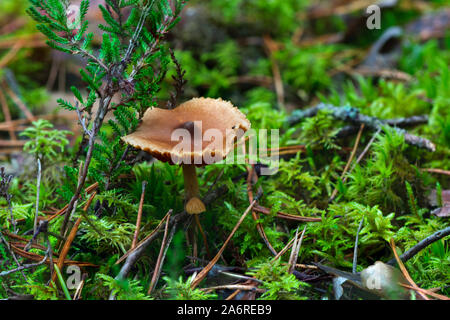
(190, 181)
(194, 205)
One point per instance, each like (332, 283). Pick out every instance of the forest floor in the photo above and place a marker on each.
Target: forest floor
(357, 202)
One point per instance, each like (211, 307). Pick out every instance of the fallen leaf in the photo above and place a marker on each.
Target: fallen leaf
(384, 280)
(444, 211)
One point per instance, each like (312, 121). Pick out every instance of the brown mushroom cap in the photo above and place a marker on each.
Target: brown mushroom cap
(154, 135)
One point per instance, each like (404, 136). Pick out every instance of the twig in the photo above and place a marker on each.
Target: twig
(270, 47)
(234, 287)
(38, 187)
(105, 100)
(82, 121)
(422, 245)
(42, 227)
(286, 216)
(91, 57)
(133, 255)
(294, 246)
(407, 122)
(355, 251)
(179, 82)
(107, 94)
(295, 250)
(3, 102)
(57, 214)
(144, 242)
(19, 102)
(233, 295)
(404, 271)
(70, 238)
(11, 143)
(48, 254)
(428, 292)
(440, 171)
(350, 159)
(101, 112)
(353, 115)
(160, 261)
(211, 264)
(252, 176)
(239, 276)
(27, 266)
(363, 153)
(4, 192)
(66, 247)
(286, 248)
(141, 63)
(202, 232)
(8, 247)
(139, 216)
(382, 73)
(37, 257)
(6, 125)
(137, 32)
(77, 294)
(8, 57)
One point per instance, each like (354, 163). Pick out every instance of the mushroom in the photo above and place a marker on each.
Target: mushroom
(209, 128)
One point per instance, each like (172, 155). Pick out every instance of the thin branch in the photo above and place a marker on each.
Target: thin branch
(38, 188)
(422, 245)
(439, 171)
(4, 192)
(404, 271)
(353, 115)
(8, 119)
(82, 121)
(18, 102)
(105, 100)
(363, 153)
(141, 63)
(27, 266)
(162, 254)
(202, 232)
(211, 264)
(65, 249)
(11, 252)
(239, 276)
(355, 251)
(428, 292)
(137, 32)
(234, 287)
(252, 176)
(92, 57)
(146, 241)
(286, 248)
(350, 159)
(42, 227)
(286, 216)
(295, 250)
(179, 82)
(101, 112)
(133, 255)
(139, 216)
(294, 246)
